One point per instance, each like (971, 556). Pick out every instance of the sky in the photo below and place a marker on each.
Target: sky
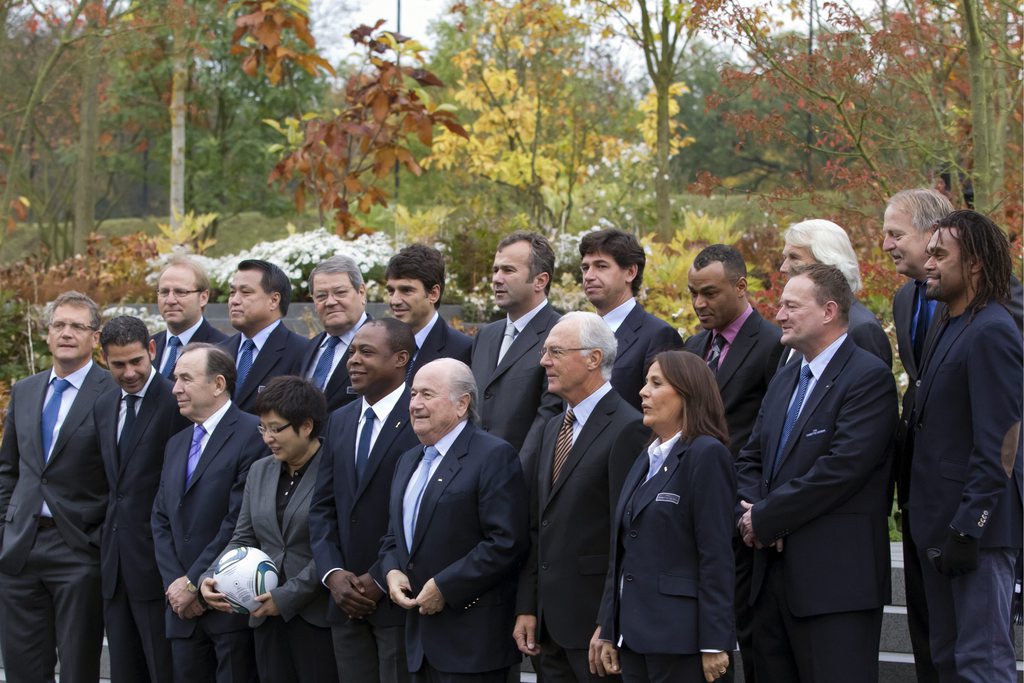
(333, 19)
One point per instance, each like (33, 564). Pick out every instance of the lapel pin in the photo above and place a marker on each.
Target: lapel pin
(398, 424)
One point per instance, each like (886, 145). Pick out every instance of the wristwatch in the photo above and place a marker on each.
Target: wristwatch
(189, 586)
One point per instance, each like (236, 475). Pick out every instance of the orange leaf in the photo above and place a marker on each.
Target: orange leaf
(380, 107)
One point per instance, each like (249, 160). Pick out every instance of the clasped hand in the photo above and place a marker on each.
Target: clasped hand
(429, 601)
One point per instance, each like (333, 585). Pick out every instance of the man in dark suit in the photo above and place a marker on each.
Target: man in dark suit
(821, 241)
(263, 348)
(194, 515)
(182, 292)
(515, 403)
(339, 297)
(742, 349)
(53, 495)
(415, 284)
(585, 455)
(134, 423)
(966, 475)
(458, 533)
(613, 270)
(907, 226)
(813, 494)
(349, 512)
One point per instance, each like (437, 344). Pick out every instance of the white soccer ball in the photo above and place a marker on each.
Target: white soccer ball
(243, 573)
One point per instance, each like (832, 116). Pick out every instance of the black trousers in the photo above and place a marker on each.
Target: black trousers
(294, 652)
(139, 649)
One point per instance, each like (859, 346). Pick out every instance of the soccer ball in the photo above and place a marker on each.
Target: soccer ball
(243, 573)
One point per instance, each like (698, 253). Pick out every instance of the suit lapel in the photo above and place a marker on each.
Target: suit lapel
(310, 356)
(446, 472)
(220, 435)
(599, 419)
(739, 349)
(146, 412)
(266, 359)
(403, 473)
(933, 357)
(80, 410)
(650, 489)
(903, 317)
(300, 496)
(393, 424)
(527, 340)
(627, 332)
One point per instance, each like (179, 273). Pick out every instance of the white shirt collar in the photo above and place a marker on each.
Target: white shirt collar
(76, 378)
(210, 423)
(445, 442)
(346, 338)
(525, 319)
(384, 406)
(260, 338)
(142, 392)
(822, 360)
(186, 336)
(582, 410)
(615, 317)
(421, 336)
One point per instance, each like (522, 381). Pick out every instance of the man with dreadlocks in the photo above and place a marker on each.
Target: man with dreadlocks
(966, 490)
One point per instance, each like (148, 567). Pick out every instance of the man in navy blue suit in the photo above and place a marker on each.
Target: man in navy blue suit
(415, 285)
(182, 292)
(349, 512)
(813, 486)
(134, 423)
(966, 478)
(194, 515)
(613, 271)
(264, 347)
(458, 533)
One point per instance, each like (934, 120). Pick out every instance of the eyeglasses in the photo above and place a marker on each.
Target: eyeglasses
(272, 430)
(558, 353)
(79, 328)
(178, 293)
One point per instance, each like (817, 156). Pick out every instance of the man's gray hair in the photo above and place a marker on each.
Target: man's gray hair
(595, 334)
(829, 244)
(73, 298)
(336, 265)
(923, 205)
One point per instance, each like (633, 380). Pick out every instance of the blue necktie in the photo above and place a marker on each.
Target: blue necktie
(171, 354)
(414, 494)
(245, 362)
(323, 366)
(194, 452)
(363, 448)
(408, 370)
(50, 412)
(793, 414)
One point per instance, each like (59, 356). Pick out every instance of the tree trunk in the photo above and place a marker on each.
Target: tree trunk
(984, 173)
(88, 136)
(662, 188)
(179, 84)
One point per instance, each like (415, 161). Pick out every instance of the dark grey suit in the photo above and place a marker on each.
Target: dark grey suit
(281, 354)
(570, 529)
(515, 403)
(55, 570)
(297, 644)
(641, 337)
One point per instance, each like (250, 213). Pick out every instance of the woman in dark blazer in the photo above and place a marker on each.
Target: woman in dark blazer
(667, 611)
(293, 639)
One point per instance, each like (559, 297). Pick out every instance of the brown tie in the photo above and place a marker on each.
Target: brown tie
(563, 445)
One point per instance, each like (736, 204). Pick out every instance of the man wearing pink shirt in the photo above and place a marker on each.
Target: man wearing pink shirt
(743, 351)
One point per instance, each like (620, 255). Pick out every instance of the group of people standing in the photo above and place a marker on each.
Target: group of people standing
(585, 489)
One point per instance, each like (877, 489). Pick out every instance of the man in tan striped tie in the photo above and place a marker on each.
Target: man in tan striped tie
(585, 454)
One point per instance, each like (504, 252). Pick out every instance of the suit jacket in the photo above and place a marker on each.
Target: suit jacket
(515, 403)
(827, 498)
(347, 521)
(743, 378)
(471, 536)
(572, 542)
(282, 354)
(672, 554)
(442, 342)
(338, 391)
(206, 333)
(300, 593)
(903, 308)
(126, 553)
(191, 525)
(866, 332)
(641, 337)
(71, 482)
(966, 469)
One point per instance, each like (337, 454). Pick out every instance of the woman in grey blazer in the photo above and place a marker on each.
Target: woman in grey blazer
(293, 639)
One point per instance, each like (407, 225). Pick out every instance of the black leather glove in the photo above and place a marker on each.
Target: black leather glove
(958, 555)
(1017, 608)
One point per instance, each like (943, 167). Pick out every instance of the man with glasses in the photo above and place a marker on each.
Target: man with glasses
(339, 297)
(53, 496)
(585, 454)
(182, 292)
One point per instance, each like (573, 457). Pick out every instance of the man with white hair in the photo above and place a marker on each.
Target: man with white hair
(820, 241)
(585, 455)
(458, 533)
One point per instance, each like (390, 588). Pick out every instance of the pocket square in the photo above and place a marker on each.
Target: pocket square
(814, 432)
(668, 498)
